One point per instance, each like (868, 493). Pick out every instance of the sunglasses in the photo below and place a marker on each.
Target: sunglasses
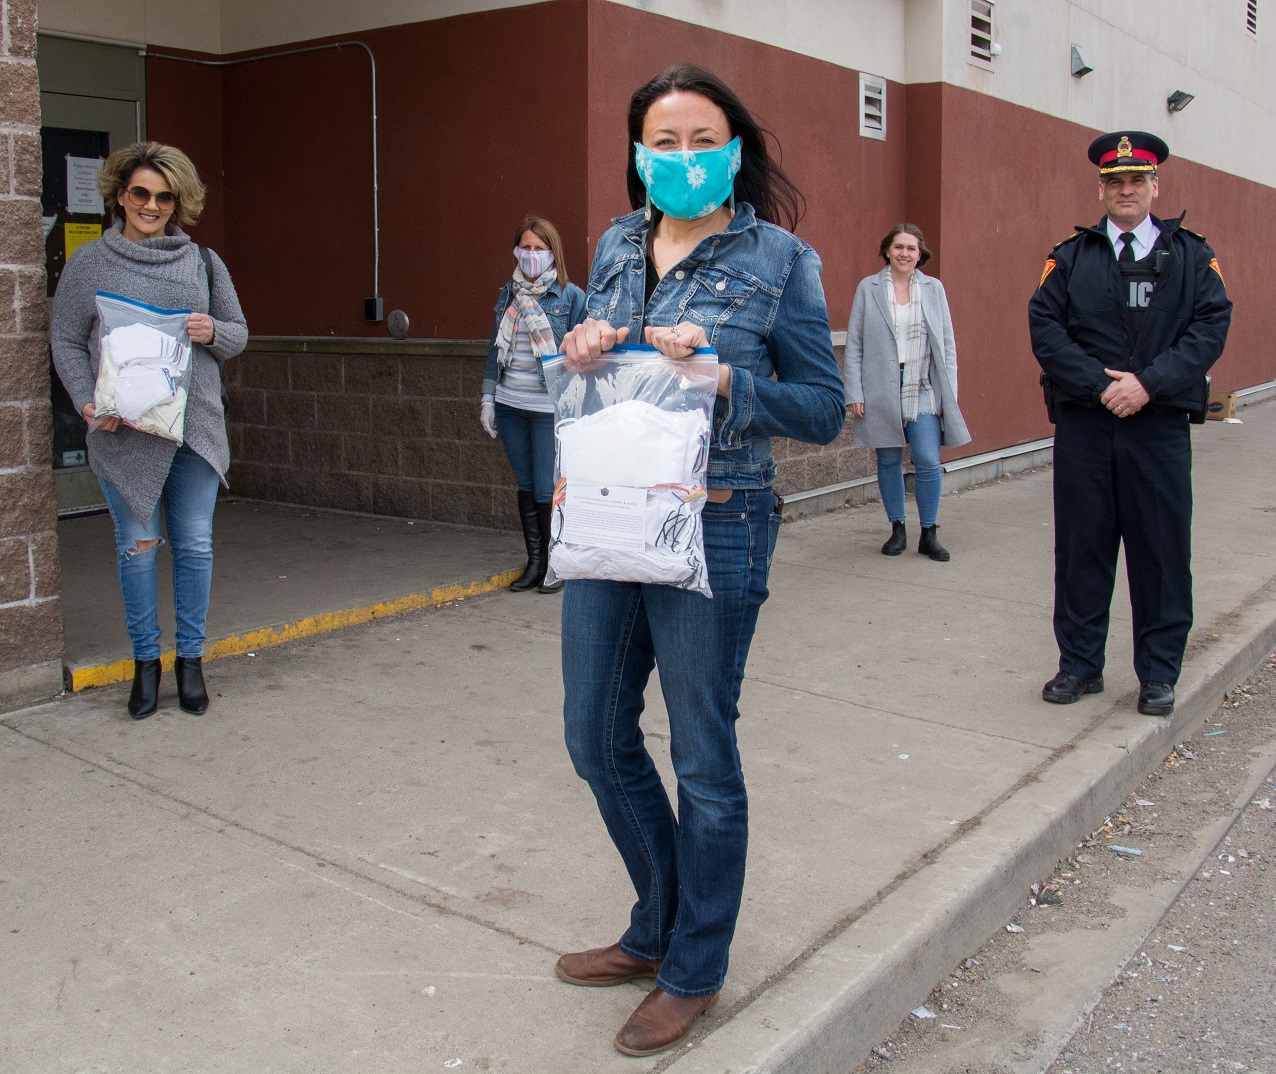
(141, 197)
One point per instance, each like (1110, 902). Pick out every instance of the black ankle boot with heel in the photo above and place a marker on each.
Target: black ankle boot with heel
(897, 541)
(192, 694)
(144, 698)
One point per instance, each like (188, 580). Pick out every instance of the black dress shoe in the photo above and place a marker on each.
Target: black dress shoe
(897, 541)
(1156, 698)
(145, 696)
(1065, 688)
(192, 695)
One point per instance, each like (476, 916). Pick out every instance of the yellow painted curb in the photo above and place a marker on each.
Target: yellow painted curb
(238, 644)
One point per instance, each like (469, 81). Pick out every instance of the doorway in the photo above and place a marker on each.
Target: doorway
(92, 101)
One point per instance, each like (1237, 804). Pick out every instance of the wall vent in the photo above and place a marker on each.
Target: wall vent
(872, 106)
(982, 49)
(1251, 17)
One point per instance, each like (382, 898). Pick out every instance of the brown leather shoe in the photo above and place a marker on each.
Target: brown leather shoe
(660, 1022)
(601, 966)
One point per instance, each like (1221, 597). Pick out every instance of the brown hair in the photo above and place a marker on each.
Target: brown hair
(761, 181)
(905, 229)
(170, 162)
(548, 234)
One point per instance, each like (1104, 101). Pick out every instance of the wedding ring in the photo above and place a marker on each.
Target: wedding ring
(675, 332)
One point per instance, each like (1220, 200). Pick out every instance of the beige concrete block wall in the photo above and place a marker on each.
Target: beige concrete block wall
(30, 615)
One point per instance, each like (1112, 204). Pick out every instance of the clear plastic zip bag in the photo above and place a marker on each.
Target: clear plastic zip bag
(144, 366)
(631, 435)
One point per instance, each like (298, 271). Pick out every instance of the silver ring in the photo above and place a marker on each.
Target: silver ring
(675, 332)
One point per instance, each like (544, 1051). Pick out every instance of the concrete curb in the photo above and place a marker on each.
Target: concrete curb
(81, 678)
(835, 1004)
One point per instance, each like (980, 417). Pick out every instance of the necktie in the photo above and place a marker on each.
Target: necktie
(1127, 251)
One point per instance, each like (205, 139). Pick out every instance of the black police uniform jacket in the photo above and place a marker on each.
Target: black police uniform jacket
(1080, 324)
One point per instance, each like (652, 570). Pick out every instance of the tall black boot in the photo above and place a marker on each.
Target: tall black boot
(897, 541)
(192, 694)
(145, 696)
(534, 573)
(545, 512)
(929, 545)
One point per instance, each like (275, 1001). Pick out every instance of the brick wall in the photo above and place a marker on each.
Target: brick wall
(30, 614)
(385, 427)
(391, 427)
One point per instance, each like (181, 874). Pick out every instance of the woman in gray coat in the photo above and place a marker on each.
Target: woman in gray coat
(153, 191)
(901, 382)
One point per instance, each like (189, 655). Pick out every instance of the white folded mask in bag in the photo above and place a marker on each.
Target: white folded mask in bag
(140, 386)
(632, 444)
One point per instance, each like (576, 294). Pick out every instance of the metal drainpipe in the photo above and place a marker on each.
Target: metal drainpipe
(376, 196)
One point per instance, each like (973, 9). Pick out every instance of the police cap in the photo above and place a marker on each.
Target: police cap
(1128, 151)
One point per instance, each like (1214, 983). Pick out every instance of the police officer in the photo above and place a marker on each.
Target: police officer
(1127, 318)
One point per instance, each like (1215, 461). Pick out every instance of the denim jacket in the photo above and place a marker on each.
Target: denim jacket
(564, 307)
(756, 291)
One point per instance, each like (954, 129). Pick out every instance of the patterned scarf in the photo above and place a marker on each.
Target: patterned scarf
(524, 305)
(916, 376)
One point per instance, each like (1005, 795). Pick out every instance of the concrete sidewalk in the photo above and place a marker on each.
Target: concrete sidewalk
(369, 852)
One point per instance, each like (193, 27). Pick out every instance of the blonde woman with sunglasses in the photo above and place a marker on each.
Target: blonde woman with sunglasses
(153, 192)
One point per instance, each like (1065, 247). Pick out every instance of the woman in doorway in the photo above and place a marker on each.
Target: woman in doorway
(704, 260)
(153, 192)
(901, 382)
(536, 308)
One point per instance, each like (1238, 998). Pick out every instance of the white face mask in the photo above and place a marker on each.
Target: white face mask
(533, 262)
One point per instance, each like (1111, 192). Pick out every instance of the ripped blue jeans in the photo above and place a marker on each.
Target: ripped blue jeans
(189, 496)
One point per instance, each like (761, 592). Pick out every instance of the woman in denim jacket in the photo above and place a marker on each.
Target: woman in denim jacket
(701, 263)
(536, 308)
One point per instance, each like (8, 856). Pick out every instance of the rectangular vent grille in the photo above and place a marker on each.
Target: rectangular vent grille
(872, 107)
(981, 30)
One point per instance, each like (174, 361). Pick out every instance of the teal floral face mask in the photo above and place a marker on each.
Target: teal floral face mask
(687, 185)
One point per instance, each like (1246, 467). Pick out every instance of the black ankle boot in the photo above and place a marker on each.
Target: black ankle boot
(192, 695)
(145, 696)
(929, 545)
(534, 573)
(545, 514)
(898, 540)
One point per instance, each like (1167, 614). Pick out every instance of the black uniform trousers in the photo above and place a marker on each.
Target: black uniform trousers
(1122, 480)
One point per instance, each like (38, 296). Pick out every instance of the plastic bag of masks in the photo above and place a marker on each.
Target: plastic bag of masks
(631, 450)
(144, 366)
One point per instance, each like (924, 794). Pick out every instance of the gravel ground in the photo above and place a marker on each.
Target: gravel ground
(1089, 977)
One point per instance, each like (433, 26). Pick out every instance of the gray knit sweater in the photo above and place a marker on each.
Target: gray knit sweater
(167, 272)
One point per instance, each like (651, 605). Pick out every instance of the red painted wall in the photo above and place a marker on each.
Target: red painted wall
(1014, 182)
(184, 108)
(480, 121)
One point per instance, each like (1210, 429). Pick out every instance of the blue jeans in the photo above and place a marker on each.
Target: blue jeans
(528, 437)
(923, 437)
(189, 496)
(687, 870)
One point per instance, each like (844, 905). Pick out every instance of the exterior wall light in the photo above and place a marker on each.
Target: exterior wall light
(1081, 65)
(1178, 100)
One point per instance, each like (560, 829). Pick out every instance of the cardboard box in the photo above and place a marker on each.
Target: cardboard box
(1221, 405)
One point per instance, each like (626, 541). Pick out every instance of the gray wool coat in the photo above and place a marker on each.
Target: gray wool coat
(166, 271)
(872, 363)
